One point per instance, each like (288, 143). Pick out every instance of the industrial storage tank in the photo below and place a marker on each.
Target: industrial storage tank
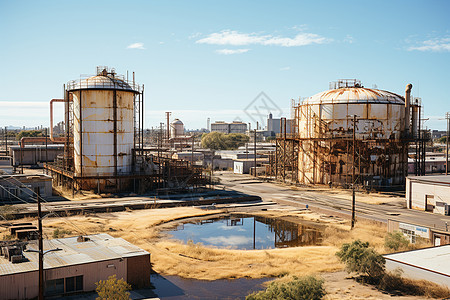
(176, 128)
(325, 124)
(103, 126)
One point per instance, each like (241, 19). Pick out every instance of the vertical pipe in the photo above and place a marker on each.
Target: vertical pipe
(142, 118)
(407, 102)
(81, 136)
(114, 124)
(168, 126)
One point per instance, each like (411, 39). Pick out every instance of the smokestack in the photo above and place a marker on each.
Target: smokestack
(407, 100)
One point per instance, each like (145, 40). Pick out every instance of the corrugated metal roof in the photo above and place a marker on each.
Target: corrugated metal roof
(100, 247)
(435, 259)
(432, 178)
(355, 95)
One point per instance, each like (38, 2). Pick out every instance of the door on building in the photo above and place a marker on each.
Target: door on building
(429, 203)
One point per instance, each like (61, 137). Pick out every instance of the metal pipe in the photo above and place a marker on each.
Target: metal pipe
(114, 125)
(51, 115)
(407, 105)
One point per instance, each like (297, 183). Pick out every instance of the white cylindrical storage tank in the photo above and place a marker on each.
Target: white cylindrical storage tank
(176, 128)
(103, 126)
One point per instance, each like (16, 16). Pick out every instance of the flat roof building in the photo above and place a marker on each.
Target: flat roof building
(432, 264)
(429, 193)
(25, 187)
(75, 268)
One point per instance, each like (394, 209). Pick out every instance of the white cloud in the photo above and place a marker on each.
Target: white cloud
(136, 46)
(434, 45)
(285, 69)
(349, 39)
(232, 240)
(234, 38)
(231, 51)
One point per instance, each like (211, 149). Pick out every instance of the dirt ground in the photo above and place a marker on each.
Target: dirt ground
(145, 228)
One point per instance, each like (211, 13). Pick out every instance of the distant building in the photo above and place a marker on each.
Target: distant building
(274, 125)
(243, 166)
(81, 262)
(436, 134)
(233, 127)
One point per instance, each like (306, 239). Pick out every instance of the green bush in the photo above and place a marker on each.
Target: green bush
(396, 240)
(303, 288)
(362, 259)
(113, 288)
(221, 141)
(57, 233)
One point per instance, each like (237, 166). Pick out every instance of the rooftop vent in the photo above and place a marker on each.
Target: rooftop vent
(81, 239)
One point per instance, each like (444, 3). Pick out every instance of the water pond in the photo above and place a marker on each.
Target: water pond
(248, 232)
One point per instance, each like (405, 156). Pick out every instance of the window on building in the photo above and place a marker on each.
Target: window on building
(54, 287)
(74, 283)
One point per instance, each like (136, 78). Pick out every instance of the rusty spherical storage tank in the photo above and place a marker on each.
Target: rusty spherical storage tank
(325, 124)
(103, 127)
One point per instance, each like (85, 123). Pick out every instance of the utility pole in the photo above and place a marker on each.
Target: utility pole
(41, 251)
(353, 172)
(447, 117)
(192, 150)
(6, 140)
(46, 148)
(254, 149)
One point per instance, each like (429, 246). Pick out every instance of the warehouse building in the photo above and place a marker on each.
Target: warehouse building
(78, 264)
(429, 193)
(432, 264)
(25, 187)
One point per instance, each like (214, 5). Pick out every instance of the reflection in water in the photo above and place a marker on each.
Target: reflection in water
(174, 287)
(244, 232)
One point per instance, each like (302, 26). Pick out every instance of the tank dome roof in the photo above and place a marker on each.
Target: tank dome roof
(100, 82)
(355, 95)
(177, 121)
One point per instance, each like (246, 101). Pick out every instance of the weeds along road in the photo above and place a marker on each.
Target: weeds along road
(328, 203)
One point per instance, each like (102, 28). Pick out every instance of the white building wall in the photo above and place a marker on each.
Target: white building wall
(418, 193)
(418, 273)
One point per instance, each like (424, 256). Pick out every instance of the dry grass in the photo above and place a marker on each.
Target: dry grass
(197, 261)
(393, 282)
(170, 257)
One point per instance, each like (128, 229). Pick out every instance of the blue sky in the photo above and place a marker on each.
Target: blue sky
(203, 59)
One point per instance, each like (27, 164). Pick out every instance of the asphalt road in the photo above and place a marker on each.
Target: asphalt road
(329, 203)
